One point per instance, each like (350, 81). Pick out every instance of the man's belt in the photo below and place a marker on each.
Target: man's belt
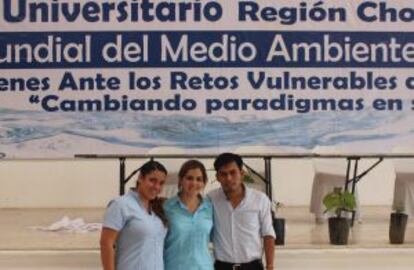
(238, 266)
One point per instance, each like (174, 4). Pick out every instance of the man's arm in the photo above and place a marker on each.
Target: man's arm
(268, 232)
(269, 250)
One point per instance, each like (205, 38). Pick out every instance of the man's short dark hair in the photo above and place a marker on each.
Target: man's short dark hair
(226, 158)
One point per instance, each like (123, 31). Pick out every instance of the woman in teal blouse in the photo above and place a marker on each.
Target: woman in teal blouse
(190, 218)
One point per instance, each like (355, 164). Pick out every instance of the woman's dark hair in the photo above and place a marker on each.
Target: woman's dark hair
(191, 165)
(151, 166)
(156, 204)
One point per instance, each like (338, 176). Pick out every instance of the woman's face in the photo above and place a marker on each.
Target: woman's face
(150, 185)
(192, 183)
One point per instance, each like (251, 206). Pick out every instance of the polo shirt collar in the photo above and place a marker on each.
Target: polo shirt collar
(177, 201)
(135, 194)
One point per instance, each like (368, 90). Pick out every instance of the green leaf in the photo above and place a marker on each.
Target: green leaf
(338, 201)
(248, 176)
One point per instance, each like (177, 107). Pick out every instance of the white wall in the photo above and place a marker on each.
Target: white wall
(292, 181)
(57, 183)
(91, 183)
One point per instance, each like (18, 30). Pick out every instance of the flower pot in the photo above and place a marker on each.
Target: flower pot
(398, 223)
(338, 230)
(279, 226)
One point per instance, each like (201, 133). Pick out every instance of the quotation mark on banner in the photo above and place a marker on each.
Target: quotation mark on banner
(34, 99)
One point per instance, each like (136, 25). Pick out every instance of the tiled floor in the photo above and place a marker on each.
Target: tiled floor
(372, 232)
(307, 247)
(319, 259)
(16, 232)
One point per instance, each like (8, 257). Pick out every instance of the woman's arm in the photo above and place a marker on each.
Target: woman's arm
(107, 243)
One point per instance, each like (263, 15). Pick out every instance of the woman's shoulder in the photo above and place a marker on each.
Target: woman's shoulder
(207, 202)
(169, 202)
(214, 194)
(125, 203)
(129, 197)
(119, 201)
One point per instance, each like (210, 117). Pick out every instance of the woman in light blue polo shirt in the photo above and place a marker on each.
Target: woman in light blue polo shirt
(134, 226)
(190, 220)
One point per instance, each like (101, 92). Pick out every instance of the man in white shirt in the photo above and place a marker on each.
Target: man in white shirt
(242, 218)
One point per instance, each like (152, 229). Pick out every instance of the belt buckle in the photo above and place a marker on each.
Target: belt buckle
(236, 266)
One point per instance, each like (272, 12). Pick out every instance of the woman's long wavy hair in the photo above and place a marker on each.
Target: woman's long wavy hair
(191, 165)
(155, 204)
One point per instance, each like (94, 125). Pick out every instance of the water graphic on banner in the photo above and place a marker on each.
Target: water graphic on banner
(20, 128)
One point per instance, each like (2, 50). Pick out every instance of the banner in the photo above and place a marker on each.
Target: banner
(125, 77)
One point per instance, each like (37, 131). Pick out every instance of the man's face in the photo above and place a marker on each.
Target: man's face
(230, 177)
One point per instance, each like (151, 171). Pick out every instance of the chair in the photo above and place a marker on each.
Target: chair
(404, 181)
(211, 175)
(212, 181)
(329, 173)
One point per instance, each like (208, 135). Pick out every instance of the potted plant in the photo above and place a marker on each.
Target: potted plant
(338, 202)
(398, 223)
(278, 224)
